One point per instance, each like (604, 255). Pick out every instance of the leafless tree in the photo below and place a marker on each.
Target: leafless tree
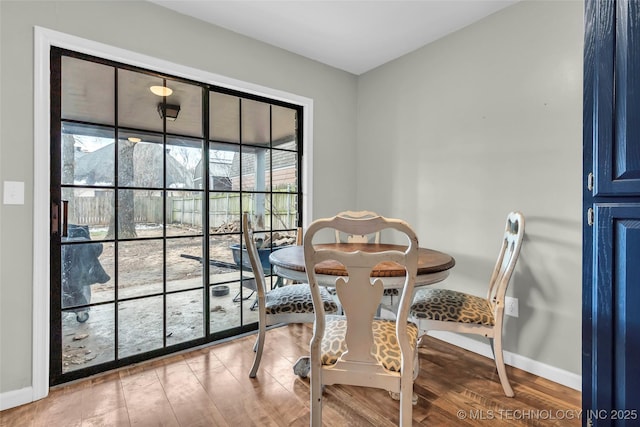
(125, 211)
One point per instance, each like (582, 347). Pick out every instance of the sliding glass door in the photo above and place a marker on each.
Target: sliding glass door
(150, 175)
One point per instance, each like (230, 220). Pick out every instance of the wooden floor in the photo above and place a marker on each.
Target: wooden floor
(211, 387)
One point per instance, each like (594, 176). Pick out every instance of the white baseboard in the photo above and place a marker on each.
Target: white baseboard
(551, 373)
(13, 398)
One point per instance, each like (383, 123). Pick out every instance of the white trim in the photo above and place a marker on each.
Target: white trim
(44, 39)
(41, 212)
(13, 398)
(551, 373)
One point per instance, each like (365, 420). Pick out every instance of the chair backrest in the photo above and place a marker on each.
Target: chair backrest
(357, 238)
(254, 258)
(359, 293)
(509, 252)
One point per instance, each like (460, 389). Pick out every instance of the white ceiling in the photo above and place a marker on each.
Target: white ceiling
(355, 36)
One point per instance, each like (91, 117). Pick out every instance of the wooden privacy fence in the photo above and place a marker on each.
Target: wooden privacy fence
(225, 208)
(97, 211)
(186, 211)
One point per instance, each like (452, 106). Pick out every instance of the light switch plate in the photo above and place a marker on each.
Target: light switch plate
(13, 193)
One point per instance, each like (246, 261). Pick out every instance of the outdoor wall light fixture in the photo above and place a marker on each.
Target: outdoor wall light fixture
(169, 111)
(161, 90)
(134, 139)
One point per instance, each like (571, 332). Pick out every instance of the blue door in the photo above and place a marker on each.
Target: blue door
(611, 243)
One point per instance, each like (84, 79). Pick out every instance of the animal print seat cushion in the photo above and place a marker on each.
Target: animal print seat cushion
(386, 349)
(451, 306)
(296, 299)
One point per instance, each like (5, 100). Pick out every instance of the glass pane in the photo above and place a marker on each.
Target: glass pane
(92, 208)
(87, 269)
(140, 266)
(285, 170)
(224, 264)
(231, 301)
(137, 105)
(224, 117)
(184, 263)
(103, 292)
(185, 213)
(250, 313)
(284, 127)
(259, 219)
(256, 165)
(185, 155)
(233, 305)
(185, 316)
(81, 267)
(87, 155)
(266, 242)
(140, 326)
(256, 123)
(90, 342)
(140, 214)
(225, 310)
(259, 214)
(82, 98)
(136, 136)
(188, 100)
(141, 161)
(285, 213)
(224, 167)
(224, 212)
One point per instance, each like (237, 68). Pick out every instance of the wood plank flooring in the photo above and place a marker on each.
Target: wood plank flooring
(211, 387)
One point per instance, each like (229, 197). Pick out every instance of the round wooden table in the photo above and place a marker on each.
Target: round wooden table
(433, 266)
(288, 262)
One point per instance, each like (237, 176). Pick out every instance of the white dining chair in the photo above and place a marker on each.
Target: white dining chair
(356, 348)
(342, 237)
(455, 311)
(284, 304)
(389, 295)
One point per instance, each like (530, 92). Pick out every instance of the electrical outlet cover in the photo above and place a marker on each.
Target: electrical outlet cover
(511, 306)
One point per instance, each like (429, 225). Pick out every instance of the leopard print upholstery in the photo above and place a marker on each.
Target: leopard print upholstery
(452, 306)
(386, 349)
(296, 299)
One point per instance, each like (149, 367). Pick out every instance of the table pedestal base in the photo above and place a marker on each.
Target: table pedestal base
(302, 367)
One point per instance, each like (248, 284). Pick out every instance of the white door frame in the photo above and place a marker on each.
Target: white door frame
(44, 39)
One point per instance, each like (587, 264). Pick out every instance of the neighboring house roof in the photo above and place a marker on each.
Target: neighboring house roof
(97, 167)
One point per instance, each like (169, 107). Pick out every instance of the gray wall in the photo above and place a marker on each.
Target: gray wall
(453, 136)
(450, 137)
(151, 30)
